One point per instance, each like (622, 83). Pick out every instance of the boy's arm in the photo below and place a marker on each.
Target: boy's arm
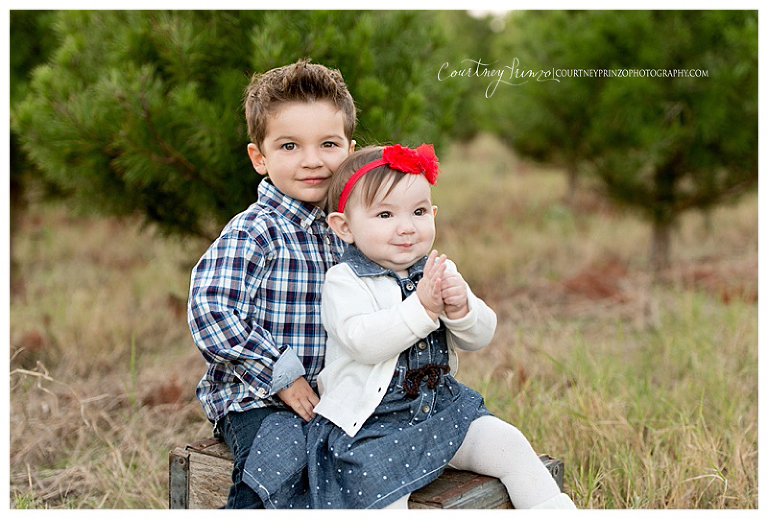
(220, 294)
(369, 334)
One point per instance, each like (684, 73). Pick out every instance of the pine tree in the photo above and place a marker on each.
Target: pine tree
(660, 145)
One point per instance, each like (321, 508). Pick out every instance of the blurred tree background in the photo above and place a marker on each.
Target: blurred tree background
(138, 112)
(658, 145)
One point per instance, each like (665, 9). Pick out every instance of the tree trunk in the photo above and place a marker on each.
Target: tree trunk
(573, 184)
(660, 245)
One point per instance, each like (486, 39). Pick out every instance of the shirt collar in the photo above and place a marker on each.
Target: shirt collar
(363, 266)
(303, 214)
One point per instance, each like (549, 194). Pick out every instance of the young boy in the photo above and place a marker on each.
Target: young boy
(254, 303)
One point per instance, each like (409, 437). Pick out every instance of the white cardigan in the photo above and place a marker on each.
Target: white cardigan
(368, 325)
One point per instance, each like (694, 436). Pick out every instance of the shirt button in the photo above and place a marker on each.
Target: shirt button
(409, 286)
(422, 345)
(425, 408)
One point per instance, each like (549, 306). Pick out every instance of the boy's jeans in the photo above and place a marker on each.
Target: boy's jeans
(238, 430)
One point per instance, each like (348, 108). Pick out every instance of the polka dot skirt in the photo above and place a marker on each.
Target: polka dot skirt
(403, 446)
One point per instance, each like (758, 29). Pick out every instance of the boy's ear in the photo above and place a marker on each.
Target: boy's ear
(434, 211)
(352, 146)
(339, 225)
(257, 159)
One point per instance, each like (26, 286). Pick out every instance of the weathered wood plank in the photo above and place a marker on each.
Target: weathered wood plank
(459, 489)
(211, 447)
(178, 478)
(200, 476)
(209, 479)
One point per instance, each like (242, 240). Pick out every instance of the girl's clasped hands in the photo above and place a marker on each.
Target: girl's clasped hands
(442, 291)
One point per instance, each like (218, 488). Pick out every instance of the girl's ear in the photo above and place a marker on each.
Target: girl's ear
(434, 211)
(340, 226)
(257, 159)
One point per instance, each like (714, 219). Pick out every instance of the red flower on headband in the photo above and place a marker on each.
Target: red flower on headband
(420, 160)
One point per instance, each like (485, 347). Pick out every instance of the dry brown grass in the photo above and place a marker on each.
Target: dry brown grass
(647, 389)
(646, 385)
(102, 367)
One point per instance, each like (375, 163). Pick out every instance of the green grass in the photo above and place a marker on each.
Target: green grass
(644, 385)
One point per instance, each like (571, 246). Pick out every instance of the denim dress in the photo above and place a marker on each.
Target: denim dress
(403, 446)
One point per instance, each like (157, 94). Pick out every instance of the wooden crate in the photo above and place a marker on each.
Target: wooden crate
(200, 476)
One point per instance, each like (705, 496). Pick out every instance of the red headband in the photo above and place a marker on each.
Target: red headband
(421, 160)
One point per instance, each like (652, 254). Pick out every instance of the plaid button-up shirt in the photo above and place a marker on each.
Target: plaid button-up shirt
(254, 304)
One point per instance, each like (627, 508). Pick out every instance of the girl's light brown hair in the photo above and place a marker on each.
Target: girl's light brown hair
(369, 185)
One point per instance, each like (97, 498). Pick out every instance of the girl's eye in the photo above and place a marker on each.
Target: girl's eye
(420, 211)
(384, 215)
(289, 146)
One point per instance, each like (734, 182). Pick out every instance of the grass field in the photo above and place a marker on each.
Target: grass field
(644, 385)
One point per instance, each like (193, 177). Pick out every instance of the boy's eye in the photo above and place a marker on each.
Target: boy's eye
(420, 211)
(384, 215)
(289, 146)
(329, 144)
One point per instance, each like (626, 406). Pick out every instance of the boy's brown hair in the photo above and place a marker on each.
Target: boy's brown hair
(369, 184)
(301, 81)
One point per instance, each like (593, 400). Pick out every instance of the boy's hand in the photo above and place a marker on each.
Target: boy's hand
(300, 397)
(454, 293)
(429, 288)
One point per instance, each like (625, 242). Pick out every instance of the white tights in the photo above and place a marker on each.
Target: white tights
(496, 448)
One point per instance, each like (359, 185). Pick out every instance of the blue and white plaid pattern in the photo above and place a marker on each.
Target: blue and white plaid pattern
(255, 296)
